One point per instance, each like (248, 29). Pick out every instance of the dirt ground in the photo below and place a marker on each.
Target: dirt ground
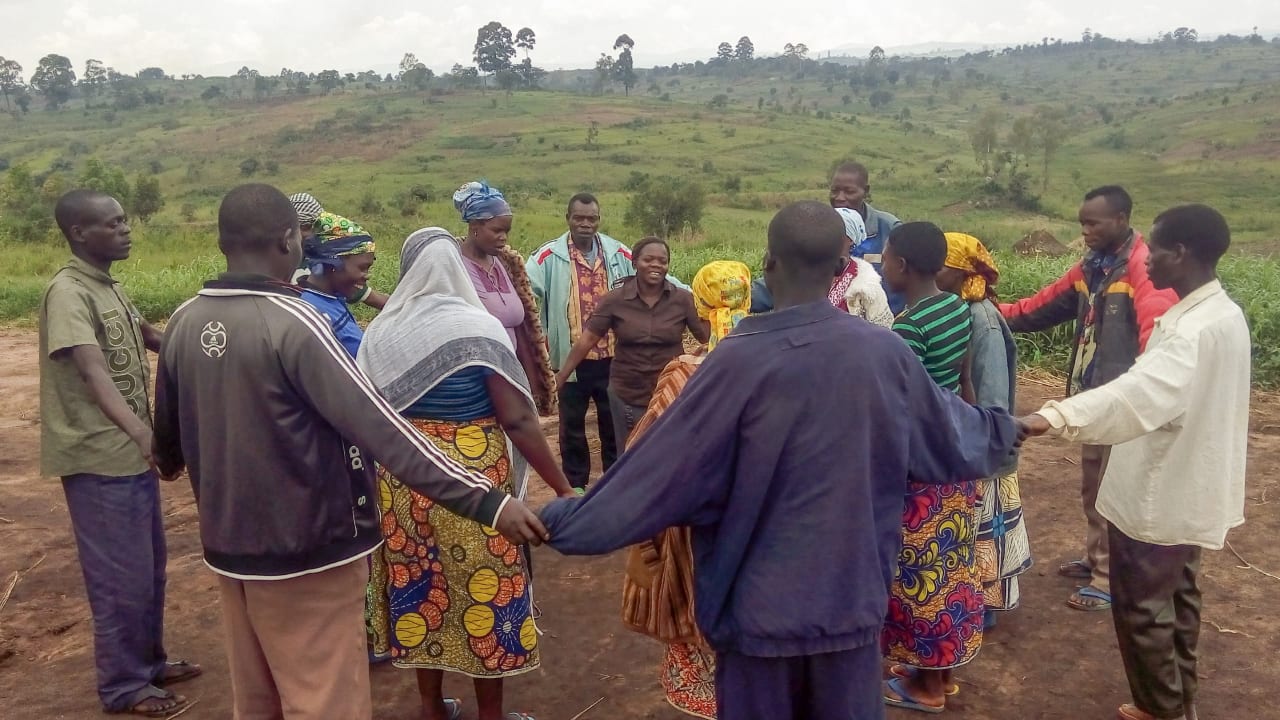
(1045, 662)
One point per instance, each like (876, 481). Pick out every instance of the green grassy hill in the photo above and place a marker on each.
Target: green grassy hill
(1153, 119)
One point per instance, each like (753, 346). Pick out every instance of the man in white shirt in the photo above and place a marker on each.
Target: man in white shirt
(1178, 421)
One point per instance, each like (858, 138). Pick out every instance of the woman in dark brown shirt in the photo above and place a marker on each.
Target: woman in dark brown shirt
(648, 316)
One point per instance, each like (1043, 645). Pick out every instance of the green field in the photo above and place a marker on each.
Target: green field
(1153, 119)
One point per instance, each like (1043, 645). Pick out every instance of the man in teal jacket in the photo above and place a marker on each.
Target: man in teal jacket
(569, 276)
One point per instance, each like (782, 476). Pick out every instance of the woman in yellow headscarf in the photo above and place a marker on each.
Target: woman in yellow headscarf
(657, 590)
(1003, 551)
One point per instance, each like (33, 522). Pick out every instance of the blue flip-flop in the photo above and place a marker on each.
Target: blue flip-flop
(904, 699)
(900, 670)
(1089, 591)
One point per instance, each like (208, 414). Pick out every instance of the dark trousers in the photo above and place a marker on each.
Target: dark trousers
(120, 539)
(625, 418)
(835, 686)
(592, 385)
(1156, 607)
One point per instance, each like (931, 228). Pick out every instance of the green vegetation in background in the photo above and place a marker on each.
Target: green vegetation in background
(752, 136)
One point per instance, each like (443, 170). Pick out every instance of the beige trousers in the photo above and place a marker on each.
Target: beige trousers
(1093, 465)
(296, 647)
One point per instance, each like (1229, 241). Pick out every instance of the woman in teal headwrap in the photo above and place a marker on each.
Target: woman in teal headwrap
(338, 257)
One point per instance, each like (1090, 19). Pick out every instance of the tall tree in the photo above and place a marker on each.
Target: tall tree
(624, 70)
(95, 77)
(11, 82)
(984, 137)
(1050, 132)
(329, 80)
(876, 57)
(604, 72)
(54, 79)
(152, 73)
(407, 63)
(494, 48)
(745, 50)
(724, 53)
(525, 40)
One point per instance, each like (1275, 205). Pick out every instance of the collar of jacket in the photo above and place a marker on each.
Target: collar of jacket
(608, 246)
(252, 283)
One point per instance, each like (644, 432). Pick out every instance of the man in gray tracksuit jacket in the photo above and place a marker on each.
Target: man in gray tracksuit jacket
(279, 430)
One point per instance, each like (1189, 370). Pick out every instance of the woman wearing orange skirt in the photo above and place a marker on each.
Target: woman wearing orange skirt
(453, 595)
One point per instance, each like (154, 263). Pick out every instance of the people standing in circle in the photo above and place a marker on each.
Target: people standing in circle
(338, 257)
(1003, 549)
(450, 594)
(648, 317)
(851, 188)
(498, 274)
(570, 275)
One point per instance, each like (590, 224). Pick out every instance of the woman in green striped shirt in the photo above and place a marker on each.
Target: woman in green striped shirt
(934, 623)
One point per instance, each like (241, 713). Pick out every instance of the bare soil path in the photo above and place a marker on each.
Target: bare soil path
(1045, 662)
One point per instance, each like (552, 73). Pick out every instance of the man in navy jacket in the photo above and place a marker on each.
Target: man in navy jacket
(794, 487)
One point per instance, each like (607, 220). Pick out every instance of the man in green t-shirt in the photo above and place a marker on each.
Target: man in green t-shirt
(95, 434)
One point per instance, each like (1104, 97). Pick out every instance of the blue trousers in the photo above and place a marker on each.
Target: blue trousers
(120, 538)
(842, 685)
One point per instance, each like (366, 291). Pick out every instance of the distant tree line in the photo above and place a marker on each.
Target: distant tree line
(496, 47)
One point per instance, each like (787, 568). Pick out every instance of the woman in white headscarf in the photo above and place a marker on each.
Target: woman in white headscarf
(857, 289)
(449, 593)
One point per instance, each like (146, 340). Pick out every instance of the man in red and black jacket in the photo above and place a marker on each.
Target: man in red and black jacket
(1115, 307)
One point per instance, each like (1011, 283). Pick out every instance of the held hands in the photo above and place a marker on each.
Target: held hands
(518, 524)
(562, 379)
(145, 440)
(1033, 425)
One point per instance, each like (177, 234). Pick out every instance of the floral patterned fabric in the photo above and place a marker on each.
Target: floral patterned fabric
(936, 605)
(590, 283)
(688, 676)
(449, 593)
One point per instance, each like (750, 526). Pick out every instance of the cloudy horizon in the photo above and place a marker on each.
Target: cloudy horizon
(267, 35)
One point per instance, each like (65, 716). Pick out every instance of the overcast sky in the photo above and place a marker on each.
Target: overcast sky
(218, 36)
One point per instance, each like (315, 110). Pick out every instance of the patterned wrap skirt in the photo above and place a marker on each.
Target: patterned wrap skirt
(688, 674)
(448, 593)
(935, 605)
(1004, 552)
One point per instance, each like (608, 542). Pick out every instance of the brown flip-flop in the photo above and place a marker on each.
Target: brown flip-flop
(1075, 569)
(1129, 711)
(178, 671)
(171, 704)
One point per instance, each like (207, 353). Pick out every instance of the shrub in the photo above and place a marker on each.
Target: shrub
(249, 167)
(369, 205)
(170, 123)
(273, 167)
(665, 205)
(188, 211)
(732, 183)
(156, 167)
